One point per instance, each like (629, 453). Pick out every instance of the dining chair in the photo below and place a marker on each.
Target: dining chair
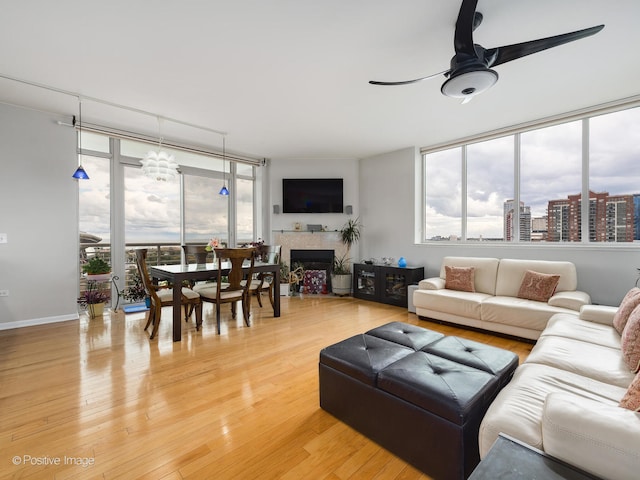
(198, 252)
(234, 289)
(264, 281)
(163, 297)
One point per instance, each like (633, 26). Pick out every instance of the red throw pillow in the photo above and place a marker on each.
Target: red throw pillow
(460, 278)
(538, 286)
(631, 399)
(630, 341)
(630, 301)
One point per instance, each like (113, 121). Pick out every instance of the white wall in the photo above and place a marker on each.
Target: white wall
(346, 169)
(388, 185)
(38, 212)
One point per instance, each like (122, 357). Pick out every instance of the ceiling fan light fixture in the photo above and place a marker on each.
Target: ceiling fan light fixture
(469, 84)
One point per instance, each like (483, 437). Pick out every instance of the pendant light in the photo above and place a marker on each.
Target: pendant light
(159, 165)
(80, 172)
(224, 190)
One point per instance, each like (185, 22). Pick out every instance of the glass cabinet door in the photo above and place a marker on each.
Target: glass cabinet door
(365, 282)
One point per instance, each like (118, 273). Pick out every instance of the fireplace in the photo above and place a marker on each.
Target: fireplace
(317, 265)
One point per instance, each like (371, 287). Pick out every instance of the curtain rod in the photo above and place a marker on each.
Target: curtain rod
(111, 104)
(127, 135)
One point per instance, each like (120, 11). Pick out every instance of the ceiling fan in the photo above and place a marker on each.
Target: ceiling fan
(470, 73)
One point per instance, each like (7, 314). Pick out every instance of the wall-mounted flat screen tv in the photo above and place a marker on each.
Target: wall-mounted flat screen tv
(312, 195)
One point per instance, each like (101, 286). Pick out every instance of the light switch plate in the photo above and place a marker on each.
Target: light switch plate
(3, 238)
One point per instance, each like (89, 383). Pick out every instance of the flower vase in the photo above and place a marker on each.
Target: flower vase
(95, 310)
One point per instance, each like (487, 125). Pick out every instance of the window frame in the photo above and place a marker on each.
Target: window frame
(515, 131)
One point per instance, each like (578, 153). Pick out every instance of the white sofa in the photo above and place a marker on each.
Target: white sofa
(494, 305)
(564, 398)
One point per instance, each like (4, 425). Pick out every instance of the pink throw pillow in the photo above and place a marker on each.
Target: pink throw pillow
(631, 399)
(630, 301)
(460, 278)
(630, 341)
(538, 286)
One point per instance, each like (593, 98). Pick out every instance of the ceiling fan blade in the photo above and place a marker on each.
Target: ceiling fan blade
(512, 52)
(463, 39)
(406, 82)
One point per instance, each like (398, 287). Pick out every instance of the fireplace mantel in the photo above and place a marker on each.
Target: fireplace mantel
(301, 240)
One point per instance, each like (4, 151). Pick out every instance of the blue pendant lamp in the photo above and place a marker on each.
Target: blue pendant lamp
(224, 190)
(80, 172)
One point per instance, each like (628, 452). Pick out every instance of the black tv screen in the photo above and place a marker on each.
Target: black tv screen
(312, 195)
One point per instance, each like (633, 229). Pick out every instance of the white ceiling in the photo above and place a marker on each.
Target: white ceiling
(288, 78)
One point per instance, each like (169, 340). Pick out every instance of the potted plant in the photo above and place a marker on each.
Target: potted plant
(136, 292)
(97, 269)
(284, 279)
(94, 300)
(341, 268)
(341, 275)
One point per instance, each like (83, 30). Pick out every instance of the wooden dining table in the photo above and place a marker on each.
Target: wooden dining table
(176, 274)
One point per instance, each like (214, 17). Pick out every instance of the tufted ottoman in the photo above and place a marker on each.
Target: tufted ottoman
(416, 392)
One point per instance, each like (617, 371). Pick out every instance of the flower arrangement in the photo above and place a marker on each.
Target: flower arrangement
(259, 246)
(91, 297)
(213, 243)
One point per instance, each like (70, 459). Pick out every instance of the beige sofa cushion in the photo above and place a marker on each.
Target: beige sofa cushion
(485, 271)
(599, 438)
(518, 312)
(517, 410)
(570, 326)
(511, 272)
(463, 304)
(600, 363)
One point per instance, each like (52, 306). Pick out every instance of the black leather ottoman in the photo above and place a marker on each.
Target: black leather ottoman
(417, 393)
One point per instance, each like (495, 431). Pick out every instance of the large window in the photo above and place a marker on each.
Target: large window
(614, 176)
(152, 209)
(444, 195)
(489, 189)
(528, 187)
(122, 209)
(550, 172)
(206, 212)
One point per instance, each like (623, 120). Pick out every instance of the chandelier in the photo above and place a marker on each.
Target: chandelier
(160, 165)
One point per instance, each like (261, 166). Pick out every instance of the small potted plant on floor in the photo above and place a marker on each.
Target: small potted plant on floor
(284, 279)
(94, 300)
(341, 275)
(97, 269)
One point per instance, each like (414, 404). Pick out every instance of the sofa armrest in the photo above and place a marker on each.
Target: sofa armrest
(435, 283)
(602, 439)
(598, 314)
(573, 300)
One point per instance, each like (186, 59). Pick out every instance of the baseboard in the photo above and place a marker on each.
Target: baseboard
(39, 321)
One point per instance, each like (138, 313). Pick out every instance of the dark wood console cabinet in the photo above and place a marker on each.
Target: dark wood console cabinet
(384, 283)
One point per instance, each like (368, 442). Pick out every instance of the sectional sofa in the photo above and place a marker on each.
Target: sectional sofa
(491, 295)
(576, 396)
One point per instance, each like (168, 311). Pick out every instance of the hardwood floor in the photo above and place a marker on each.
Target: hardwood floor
(241, 405)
